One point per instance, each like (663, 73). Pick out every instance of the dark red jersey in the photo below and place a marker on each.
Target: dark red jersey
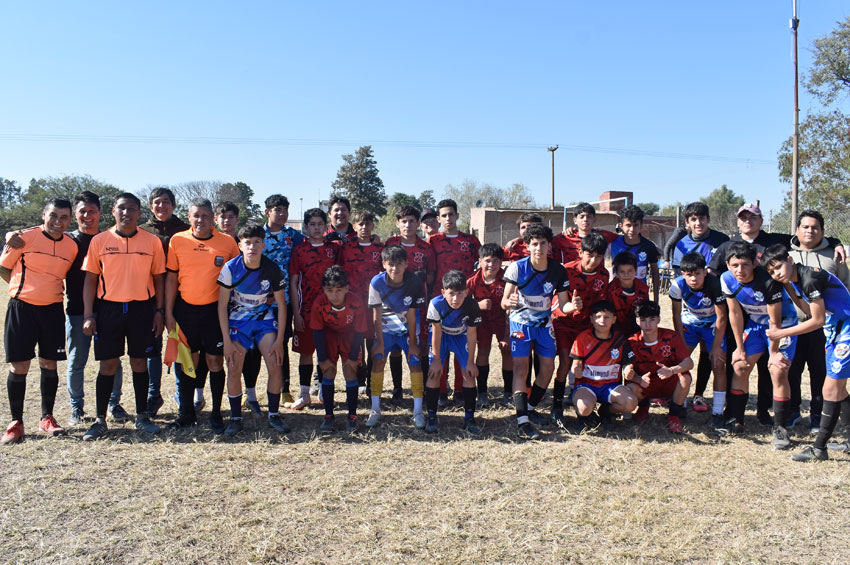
(310, 261)
(494, 290)
(602, 358)
(669, 349)
(420, 255)
(333, 235)
(348, 319)
(626, 303)
(361, 263)
(567, 245)
(516, 249)
(456, 252)
(591, 288)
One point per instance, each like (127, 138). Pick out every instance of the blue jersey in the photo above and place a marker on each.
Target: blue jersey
(698, 305)
(395, 301)
(756, 295)
(816, 284)
(279, 249)
(644, 250)
(535, 290)
(250, 288)
(705, 246)
(454, 322)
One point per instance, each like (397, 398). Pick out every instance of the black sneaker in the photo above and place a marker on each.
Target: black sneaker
(735, 427)
(780, 438)
(144, 424)
(182, 422)
(277, 423)
(233, 428)
(118, 414)
(327, 426)
(217, 424)
(527, 431)
(431, 424)
(398, 395)
(483, 400)
(471, 426)
(590, 422)
(537, 418)
(764, 418)
(351, 423)
(557, 417)
(154, 404)
(811, 453)
(96, 431)
(718, 424)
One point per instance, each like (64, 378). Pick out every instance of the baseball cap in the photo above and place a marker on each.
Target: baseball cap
(426, 213)
(751, 208)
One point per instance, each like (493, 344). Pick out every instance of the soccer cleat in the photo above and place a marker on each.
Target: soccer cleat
(351, 423)
(254, 407)
(674, 425)
(233, 428)
(96, 431)
(483, 400)
(557, 417)
(698, 404)
(14, 433)
(431, 424)
(589, 422)
(49, 425)
(398, 394)
(780, 438)
(718, 424)
(443, 400)
(811, 453)
(735, 427)
(527, 431)
(277, 423)
(374, 419)
(217, 424)
(154, 404)
(764, 418)
(144, 424)
(537, 418)
(793, 419)
(286, 398)
(419, 420)
(118, 414)
(327, 426)
(471, 426)
(181, 423)
(300, 403)
(641, 415)
(77, 417)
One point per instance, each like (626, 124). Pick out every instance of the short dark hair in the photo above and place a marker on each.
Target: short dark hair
(407, 211)
(336, 199)
(129, 196)
(696, 209)
(624, 258)
(202, 203)
(276, 200)
(157, 192)
(251, 230)
(741, 250)
(362, 216)
(314, 213)
(537, 231)
(811, 214)
(88, 197)
(533, 217)
(491, 250)
(648, 309)
(584, 208)
(447, 203)
(603, 306)
(633, 213)
(394, 254)
(776, 252)
(693, 261)
(335, 276)
(454, 280)
(226, 206)
(58, 203)
(593, 243)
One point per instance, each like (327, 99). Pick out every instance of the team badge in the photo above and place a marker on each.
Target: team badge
(329, 251)
(264, 285)
(836, 367)
(547, 287)
(464, 246)
(418, 257)
(349, 318)
(219, 261)
(615, 354)
(706, 301)
(642, 256)
(498, 291)
(666, 351)
(597, 285)
(759, 296)
(288, 241)
(407, 300)
(376, 256)
(842, 350)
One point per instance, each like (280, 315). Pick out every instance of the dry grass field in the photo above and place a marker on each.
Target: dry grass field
(396, 495)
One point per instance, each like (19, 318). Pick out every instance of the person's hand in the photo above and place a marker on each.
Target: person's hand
(170, 322)
(277, 352)
(645, 380)
(89, 327)
(157, 324)
(513, 300)
(298, 321)
(779, 361)
(663, 371)
(471, 371)
(576, 301)
(435, 369)
(774, 333)
(717, 357)
(14, 240)
(485, 304)
(229, 351)
(840, 254)
(740, 357)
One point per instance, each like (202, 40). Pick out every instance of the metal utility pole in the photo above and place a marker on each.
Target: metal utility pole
(795, 164)
(552, 150)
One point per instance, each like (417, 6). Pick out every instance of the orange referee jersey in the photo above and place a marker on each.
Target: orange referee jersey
(39, 268)
(126, 265)
(198, 262)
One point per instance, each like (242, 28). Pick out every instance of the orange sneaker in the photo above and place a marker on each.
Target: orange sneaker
(49, 425)
(674, 425)
(14, 433)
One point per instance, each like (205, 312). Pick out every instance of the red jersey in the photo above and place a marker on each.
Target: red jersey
(458, 252)
(480, 290)
(567, 245)
(310, 261)
(627, 303)
(420, 255)
(517, 249)
(591, 289)
(333, 235)
(669, 349)
(361, 263)
(348, 319)
(602, 359)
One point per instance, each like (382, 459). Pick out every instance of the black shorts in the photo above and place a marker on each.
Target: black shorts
(200, 326)
(117, 321)
(27, 325)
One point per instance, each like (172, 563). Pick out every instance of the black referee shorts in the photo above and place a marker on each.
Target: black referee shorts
(28, 325)
(120, 321)
(200, 326)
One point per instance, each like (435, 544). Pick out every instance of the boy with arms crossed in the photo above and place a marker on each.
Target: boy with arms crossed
(631, 222)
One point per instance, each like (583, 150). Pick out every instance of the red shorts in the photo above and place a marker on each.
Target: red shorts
(339, 346)
(660, 388)
(487, 330)
(566, 334)
(302, 342)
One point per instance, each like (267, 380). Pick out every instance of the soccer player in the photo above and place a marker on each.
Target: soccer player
(247, 320)
(516, 249)
(566, 246)
(701, 317)
(310, 259)
(125, 267)
(35, 274)
(530, 285)
(487, 287)
(660, 368)
(631, 222)
(454, 317)
(195, 259)
(340, 229)
(600, 353)
(824, 297)
(750, 290)
(700, 237)
(394, 297)
(429, 223)
(338, 322)
(626, 292)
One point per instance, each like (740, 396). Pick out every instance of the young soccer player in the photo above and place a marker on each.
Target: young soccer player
(310, 259)
(516, 249)
(824, 297)
(626, 292)
(487, 287)
(566, 246)
(428, 223)
(530, 285)
(700, 316)
(247, 321)
(600, 353)
(631, 222)
(454, 317)
(660, 368)
(750, 290)
(394, 297)
(36, 274)
(700, 237)
(338, 322)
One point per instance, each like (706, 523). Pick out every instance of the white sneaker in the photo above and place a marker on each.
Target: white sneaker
(374, 419)
(300, 403)
(419, 420)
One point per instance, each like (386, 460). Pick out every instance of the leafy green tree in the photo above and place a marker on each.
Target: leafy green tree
(10, 193)
(400, 200)
(723, 205)
(649, 208)
(358, 180)
(243, 196)
(42, 189)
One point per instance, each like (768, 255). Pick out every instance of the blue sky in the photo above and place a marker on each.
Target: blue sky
(667, 99)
